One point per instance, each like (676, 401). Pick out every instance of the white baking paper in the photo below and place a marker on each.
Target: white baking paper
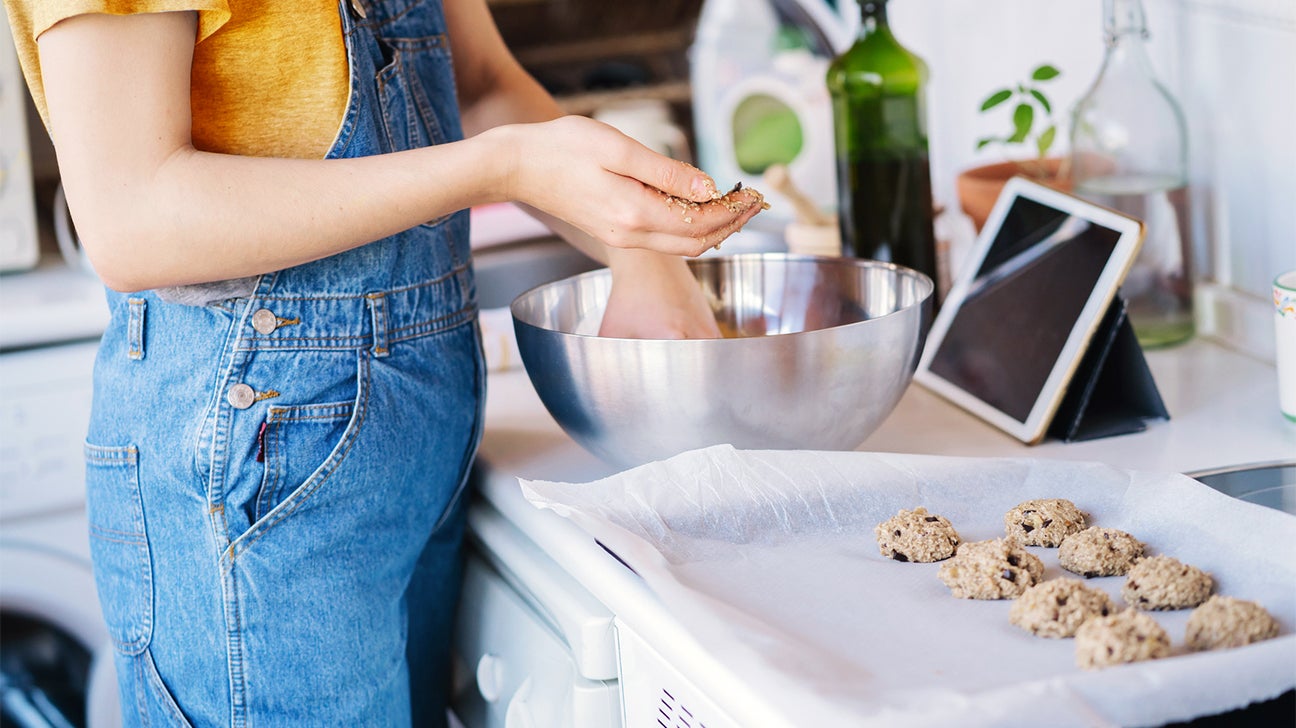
(768, 558)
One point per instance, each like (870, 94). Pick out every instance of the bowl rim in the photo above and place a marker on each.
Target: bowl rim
(716, 259)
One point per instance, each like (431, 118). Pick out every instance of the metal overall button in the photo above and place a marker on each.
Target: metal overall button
(264, 321)
(241, 396)
(358, 7)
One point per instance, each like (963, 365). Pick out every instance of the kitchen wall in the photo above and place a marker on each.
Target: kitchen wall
(1230, 63)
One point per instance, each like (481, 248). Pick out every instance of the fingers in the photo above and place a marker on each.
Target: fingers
(675, 178)
(708, 224)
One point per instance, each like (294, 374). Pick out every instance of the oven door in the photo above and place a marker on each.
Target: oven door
(511, 667)
(533, 647)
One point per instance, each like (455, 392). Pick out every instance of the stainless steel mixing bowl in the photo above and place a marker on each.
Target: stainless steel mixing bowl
(823, 350)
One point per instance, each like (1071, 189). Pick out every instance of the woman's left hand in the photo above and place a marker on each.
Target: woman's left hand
(655, 296)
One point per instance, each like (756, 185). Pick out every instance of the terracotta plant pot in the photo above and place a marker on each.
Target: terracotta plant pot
(979, 187)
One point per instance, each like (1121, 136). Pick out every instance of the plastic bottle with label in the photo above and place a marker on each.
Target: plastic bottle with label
(759, 100)
(733, 42)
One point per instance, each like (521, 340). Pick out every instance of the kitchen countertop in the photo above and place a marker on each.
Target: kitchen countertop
(1223, 412)
(1223, 408)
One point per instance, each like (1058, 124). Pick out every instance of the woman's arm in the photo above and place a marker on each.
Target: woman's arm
(152, 211)
(654, 294)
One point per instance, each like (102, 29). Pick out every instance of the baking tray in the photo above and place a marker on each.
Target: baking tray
(768, 558)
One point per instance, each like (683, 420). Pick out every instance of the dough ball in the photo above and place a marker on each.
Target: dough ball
(1127, 636)
(1099, 552)
(1164, 582)
(1223, 622)
(1057, 608)
(916, 536)
(1043, 522)
(995, 569)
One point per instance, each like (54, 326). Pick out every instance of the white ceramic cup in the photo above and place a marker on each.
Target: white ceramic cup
(1284, 296)
(647, 121)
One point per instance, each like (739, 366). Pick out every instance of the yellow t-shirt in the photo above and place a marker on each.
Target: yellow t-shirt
(270, 77)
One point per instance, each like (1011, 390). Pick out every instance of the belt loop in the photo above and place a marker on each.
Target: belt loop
(135, 328)
(378, 312)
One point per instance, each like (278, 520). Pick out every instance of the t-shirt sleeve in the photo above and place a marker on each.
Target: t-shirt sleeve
(212, 14)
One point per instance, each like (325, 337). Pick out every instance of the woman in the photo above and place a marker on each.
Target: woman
(288, 396)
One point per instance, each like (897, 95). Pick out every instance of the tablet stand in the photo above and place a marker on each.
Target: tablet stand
(1112, 391)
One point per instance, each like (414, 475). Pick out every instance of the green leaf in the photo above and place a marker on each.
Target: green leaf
(996, 98)
(981, 143)
(1023, 117)
(1045, 72)
(1043, 101)
(1045, 141)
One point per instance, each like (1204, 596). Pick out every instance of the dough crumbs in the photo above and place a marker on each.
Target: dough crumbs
(736, 200)
(996, 569)
(1164, 582)
(1057, 608)
(1099, 551)
(1222, 622)
(916, 536)
(1043, 522)
(1127, 636)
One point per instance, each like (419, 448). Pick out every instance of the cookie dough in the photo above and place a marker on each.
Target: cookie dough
(996, 569)
(1057, 608)
(916, 536)
(1043, 522)
(1126, 636)
(1164, 582)
(1099, 552)
(1223, 622)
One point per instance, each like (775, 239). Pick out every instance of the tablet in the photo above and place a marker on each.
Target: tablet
(1020, 315)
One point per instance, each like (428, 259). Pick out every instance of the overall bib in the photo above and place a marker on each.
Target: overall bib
(275, 481)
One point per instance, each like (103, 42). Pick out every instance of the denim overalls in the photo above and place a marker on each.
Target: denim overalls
(275, 481)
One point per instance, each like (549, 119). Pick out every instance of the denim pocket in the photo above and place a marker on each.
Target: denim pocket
(118, 545)
(294, 442)
(301, 446)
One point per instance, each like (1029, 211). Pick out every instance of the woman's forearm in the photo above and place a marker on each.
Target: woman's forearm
(201, 217)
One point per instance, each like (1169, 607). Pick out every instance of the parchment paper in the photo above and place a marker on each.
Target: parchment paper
(769, 559)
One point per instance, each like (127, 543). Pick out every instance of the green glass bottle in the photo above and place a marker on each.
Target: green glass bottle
(883, 173)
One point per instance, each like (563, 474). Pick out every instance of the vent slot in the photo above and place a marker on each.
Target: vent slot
(672, 713)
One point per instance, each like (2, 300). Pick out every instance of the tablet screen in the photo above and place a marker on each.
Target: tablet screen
(1022, 305)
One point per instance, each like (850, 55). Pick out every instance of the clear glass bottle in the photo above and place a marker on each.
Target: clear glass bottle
(883, 173)
(1130, 153)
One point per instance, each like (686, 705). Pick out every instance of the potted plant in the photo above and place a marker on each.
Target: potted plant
(1032, 129)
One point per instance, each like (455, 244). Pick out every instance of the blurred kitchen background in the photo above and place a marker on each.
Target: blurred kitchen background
(1231, 65)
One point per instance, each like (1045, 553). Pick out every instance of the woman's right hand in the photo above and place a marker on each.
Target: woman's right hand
(618, 191)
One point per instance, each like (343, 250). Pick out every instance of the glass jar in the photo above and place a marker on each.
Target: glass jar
(1130, 153)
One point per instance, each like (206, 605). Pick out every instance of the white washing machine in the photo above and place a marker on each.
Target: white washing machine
(55, 657)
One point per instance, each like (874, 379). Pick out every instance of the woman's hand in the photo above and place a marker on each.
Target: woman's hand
(654, 296)
(618, 191)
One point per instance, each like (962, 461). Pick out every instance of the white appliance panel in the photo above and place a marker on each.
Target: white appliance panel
(44, 412)
(19, 248)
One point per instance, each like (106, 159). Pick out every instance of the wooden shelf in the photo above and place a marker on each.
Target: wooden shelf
(673, 92)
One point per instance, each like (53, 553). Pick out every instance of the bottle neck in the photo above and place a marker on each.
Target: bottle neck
(873, 15)
(1125, 32)
(1124, 22)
